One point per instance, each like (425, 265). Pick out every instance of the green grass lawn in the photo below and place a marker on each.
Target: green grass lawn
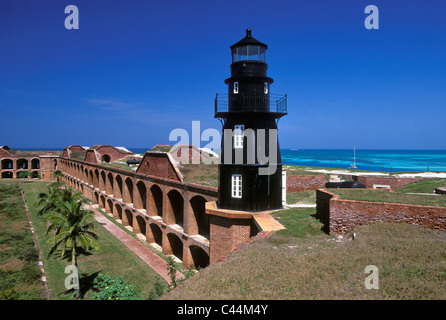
(302, 197)
(204, 174)
(20, 275)
(422, 186)
(302, 262)
(114, 259)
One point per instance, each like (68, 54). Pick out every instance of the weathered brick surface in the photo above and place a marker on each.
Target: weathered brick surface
(304, 182)
(158, 164)
(110, 187)
(4, 153)
(344, 215)
(226, 235)
(91, 157)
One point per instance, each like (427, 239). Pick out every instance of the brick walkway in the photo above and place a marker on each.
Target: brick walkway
(148, 256)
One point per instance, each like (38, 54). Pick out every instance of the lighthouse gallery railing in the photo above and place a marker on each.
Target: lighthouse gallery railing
(251, 103)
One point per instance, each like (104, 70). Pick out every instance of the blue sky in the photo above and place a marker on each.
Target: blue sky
(136, 70)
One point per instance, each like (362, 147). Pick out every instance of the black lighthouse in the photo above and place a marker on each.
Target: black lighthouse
(250, 169)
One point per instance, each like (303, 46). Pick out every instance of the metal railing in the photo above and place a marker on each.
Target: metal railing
(274, 103)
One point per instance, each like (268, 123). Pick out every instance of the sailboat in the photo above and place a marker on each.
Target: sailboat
(353, 166)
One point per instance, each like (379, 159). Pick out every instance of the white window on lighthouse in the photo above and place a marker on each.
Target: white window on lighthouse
(236, 185)
(265, 87)
(235, 87)
(238, 135)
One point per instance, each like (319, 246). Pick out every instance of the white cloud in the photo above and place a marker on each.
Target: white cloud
(110, 104)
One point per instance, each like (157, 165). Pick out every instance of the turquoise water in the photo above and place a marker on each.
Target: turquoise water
(375, 160)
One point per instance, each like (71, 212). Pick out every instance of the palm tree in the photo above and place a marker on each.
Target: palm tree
(73, 235)
(50, 200)
(57, 174)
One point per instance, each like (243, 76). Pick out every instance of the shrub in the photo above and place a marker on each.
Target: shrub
(8, 294)
(23, 174)
(158, 290)
(35, 175)
(114, 288)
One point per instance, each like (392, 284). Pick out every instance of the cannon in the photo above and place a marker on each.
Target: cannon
(344, 184)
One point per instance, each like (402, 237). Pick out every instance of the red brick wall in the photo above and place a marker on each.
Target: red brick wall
(115, 154)
(344, 215)
(76, 148)
(4, 153)
(226, 235)
(158, 165)
(304, 182)
(90, 157)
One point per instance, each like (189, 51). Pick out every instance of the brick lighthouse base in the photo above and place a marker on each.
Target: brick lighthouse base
(229, 229)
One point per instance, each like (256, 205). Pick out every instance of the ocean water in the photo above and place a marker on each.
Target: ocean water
(366, 159)
(374, 160)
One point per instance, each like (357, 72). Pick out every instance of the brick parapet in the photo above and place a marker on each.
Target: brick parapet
(304, 182)
(341, 216)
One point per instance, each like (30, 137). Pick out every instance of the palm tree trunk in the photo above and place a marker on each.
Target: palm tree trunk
(74, 262)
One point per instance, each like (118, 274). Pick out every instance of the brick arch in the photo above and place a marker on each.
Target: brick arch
(7, 164)
(35, 163)
(175, 208)
(127, 196)
(117, 187)
(109, 184)
(140, 225)
(95, 197)
(102, 202)
(102, 181)
(96, 178)
(7, 175)
(199, 257)
(155, 201)
(90, 177)
(105, 158)
(200, 219)
(176, 245)
(109, 206)
(157, 234)
(140, 195)
(127, 218)
(22, 164)
(117, 212)
(86, 176)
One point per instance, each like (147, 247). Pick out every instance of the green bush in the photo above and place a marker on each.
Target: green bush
(35, 175)
(8, 294)
(23, 174)
(114, 288)
(158, 290)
